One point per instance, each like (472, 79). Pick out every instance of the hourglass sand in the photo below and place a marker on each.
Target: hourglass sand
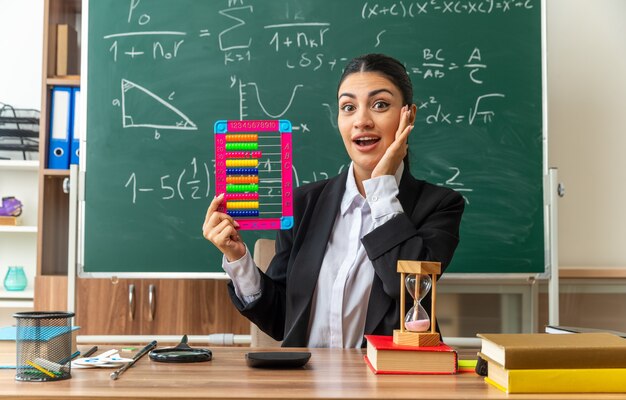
(417, 319)
(414, 324)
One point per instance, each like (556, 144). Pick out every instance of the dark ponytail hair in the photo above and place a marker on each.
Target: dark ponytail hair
(391, 68)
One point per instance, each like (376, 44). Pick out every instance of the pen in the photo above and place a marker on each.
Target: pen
(90, 351)
(41, 369)
(141, 353)
(77, 353)
(70, 358)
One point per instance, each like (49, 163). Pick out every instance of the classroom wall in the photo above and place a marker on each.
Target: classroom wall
(587, 113)
(587, 127)
(21, 43)
(586, 100)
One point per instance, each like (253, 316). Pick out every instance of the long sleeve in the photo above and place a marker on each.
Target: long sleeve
(267, 309)
(283, 308)
(245, 276)
(381, 195)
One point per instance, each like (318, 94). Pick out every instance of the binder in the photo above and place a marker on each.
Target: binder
(75, 128)
(66, 51)
(60, 125)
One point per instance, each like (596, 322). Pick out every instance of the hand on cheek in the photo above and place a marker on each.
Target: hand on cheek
(395, 153)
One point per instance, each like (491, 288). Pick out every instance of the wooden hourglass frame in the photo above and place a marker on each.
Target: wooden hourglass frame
(402, 336)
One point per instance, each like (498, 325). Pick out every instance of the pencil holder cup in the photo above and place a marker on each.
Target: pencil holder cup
(44, 346)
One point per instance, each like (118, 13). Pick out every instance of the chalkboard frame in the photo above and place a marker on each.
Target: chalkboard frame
(83, 273)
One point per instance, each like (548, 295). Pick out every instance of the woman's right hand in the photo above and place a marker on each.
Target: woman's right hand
(221, 230)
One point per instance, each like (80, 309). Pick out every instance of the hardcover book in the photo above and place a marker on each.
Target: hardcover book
(545, 351)
(386, 357)
(66, 51)
(574, 329)
(557, 380)
(10, 221)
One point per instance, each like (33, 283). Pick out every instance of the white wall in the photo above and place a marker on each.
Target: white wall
(21, 43)
(587, 113)
(587, 127)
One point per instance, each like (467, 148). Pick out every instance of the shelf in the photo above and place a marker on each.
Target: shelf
(17, 303)
(18, 299)
(72, 80)
(70, 6)
(27, 294)
(592, 272)
(56, 172)
(18, 229)
(19, 165)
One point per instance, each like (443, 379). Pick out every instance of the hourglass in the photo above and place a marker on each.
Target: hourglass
(417, 277)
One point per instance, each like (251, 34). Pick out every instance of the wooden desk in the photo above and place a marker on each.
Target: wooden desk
(338, 374)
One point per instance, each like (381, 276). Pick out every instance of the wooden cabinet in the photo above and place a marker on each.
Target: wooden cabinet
(197, 307)
(156, 306)
(103, 306)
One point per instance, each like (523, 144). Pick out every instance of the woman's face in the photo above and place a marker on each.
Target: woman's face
(369, 115)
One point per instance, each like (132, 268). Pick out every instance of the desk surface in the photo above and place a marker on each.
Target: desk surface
(330, 373)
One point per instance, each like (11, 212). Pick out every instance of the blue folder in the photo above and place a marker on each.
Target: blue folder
(75, 128)
(60, 128)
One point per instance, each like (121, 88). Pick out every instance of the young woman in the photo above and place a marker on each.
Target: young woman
(333, 278)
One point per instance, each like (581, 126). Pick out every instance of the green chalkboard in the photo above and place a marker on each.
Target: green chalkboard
(161, 72)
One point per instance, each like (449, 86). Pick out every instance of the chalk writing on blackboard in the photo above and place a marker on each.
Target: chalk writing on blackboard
(243, 98)
(456, 184)
(436, 113)
(413, 9)
(476, 68)
(435, 65)
(298, 35)
(235, 50)
(192, 183)
(152, 106)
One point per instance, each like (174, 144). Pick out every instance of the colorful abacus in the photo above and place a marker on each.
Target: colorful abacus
(253, 167)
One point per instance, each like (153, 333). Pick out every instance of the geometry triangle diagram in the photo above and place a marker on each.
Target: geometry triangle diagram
(142, 108)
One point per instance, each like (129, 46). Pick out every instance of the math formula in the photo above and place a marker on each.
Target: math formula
(275, 61)
(161, 73)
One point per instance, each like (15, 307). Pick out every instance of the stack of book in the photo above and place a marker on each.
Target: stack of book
(385, 357)
(546, 363)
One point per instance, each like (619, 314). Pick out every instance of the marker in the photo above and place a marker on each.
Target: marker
(45, 371)
(467, 363)
(51, 366)
(70, 358)
(57, 367)
(90, 351)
